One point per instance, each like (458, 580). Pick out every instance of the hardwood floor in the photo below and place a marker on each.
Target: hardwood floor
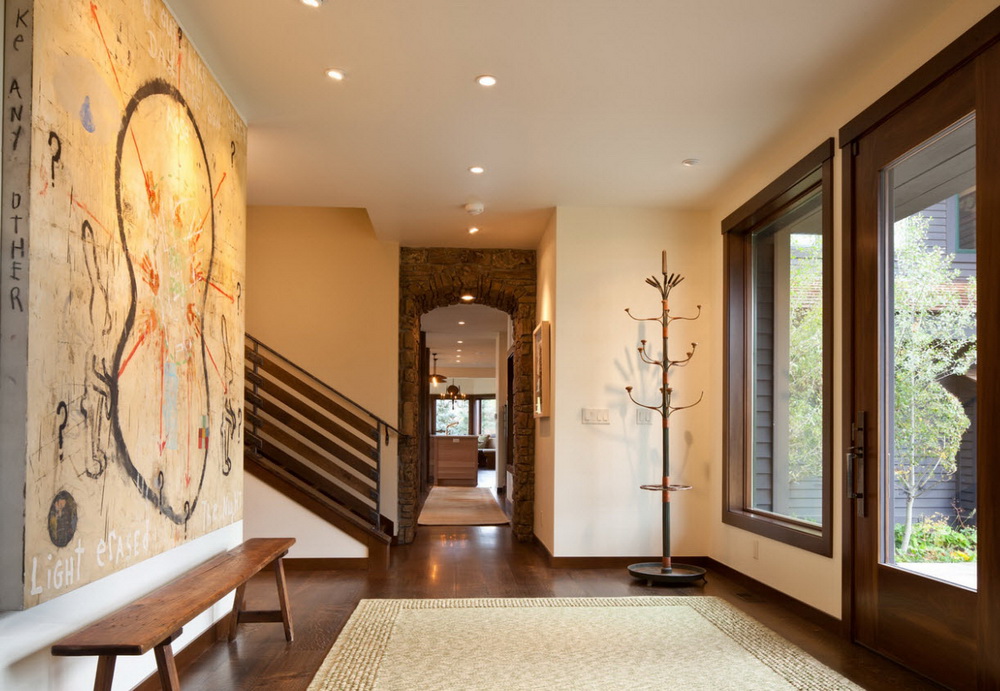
(448, 562)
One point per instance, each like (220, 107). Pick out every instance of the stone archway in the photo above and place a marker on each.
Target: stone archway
(435, 277)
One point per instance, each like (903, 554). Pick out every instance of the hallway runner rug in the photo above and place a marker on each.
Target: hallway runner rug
(461, 506)
(695, 642)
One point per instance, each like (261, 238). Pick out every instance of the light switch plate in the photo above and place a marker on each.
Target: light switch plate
(596, 416)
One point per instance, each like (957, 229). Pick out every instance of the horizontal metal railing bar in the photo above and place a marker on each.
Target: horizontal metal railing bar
(309, 374)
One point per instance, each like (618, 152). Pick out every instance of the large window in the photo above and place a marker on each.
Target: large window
(476, 414)
(778, 358)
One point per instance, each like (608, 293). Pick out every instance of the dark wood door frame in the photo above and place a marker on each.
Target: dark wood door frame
(977, 51)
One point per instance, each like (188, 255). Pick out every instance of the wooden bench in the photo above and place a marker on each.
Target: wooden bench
(155, 620)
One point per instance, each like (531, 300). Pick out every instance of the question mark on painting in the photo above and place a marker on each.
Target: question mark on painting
(232, 158)
(64, 409)
(239, 295)
(56, 155)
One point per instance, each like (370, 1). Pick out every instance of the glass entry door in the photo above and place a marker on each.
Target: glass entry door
(929, 394)
(912, 467)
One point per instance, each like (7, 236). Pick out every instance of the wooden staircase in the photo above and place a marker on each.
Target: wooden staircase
(317, 447)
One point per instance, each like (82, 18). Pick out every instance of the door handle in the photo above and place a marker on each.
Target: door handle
(854, 460)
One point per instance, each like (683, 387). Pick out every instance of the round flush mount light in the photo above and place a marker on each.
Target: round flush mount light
(472, 231)
(468, 298)
(477, 170)
(312, 3)
(486, 80)
(336, 74)
(461, 323)
(690, 162)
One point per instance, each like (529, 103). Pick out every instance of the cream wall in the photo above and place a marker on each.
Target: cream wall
(603, 256)
(544, 439)
(324, 292)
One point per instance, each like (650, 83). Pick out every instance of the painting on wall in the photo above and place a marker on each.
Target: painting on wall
(135, 319)
(540, 369)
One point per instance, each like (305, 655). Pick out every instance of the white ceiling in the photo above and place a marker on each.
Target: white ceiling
(478, 335)
(598, 101)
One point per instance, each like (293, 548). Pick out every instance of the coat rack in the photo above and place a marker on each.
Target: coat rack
(665, 571)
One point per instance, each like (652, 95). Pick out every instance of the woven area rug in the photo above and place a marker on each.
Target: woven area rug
(461, 506)
(694, 642)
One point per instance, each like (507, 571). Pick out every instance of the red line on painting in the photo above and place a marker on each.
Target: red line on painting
(121, 95)
(209, 210)
(90, 213)
(227, 295)
(129, 358)
(225, 387)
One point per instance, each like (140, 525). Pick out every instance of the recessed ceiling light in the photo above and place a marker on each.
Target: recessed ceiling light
(477, 170)
(461, 341)
(461, 323)
(312, 3)
(468, 298)
(473, 230)
(690, 162)
(336, 74)
(486, 80)
(458, 350)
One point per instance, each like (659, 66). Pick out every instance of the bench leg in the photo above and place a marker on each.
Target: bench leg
(286, 612)
(105, 672)
(234, 619)
(169, 680)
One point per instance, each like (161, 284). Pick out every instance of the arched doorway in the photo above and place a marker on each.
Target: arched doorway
(432, 277)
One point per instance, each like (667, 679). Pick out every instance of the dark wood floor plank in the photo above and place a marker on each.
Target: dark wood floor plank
(447, 562)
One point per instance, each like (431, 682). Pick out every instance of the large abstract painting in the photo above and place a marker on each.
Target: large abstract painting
(134, 381)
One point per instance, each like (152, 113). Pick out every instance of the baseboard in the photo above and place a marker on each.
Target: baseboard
(326, 564)
(807, 612)
(219, 631)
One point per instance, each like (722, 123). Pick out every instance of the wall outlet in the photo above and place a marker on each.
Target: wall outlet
(596, 416)
(643, 416)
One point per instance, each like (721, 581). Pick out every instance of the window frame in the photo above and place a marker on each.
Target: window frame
(814, 171)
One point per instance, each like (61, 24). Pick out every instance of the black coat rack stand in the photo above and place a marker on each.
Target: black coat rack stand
(665, 571)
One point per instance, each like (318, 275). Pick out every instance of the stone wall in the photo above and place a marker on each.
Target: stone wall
(437, 277)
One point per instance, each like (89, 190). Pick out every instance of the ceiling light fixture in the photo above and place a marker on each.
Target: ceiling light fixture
(690, 162)
(312, 3)
(486, 80)
(435, 377)
(461, 341)
(461, 323)
(336, 74)
(468, 298)
(477, 170)
(473, 230)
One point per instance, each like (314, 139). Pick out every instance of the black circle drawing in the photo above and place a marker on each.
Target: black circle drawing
(169, 471)
(62, 519)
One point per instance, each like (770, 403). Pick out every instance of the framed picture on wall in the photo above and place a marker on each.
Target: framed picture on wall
(540, 356)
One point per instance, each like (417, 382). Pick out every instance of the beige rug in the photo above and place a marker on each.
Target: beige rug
(461, 506)
(693, 642)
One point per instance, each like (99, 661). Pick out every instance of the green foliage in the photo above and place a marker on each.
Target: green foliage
(452, 416)
(933, 539)
(933, 337)
(805, 375)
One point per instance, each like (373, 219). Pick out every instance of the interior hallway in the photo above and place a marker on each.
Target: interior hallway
(459, 562)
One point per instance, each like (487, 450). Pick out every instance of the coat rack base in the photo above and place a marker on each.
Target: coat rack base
(653, 572)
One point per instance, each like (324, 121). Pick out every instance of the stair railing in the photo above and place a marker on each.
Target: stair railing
(308, 433)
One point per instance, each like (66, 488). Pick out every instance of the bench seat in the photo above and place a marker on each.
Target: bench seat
(153, 621)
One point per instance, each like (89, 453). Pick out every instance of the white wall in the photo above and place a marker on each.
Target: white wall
(545, 442)
(25, 637)
(603, 256)
(314, 537)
